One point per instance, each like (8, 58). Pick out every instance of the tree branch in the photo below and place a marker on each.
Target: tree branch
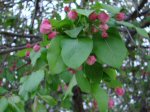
(136, 12)
(19, 35)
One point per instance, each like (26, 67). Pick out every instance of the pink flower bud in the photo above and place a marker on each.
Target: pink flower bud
(72, 71)
(66, 9)
(91, 60)
(104, 34)
(103, 17)
(95, 104)
(52, 35)
(111, 103)
(94, 30)
(120, 16)
(93, 16)
(45, 27)
(104, 27)
(36, 47)
(28, 45)
(73, 15)
(27, 53)
(119, 91)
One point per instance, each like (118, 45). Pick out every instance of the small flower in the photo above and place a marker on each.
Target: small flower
(52, 35)
(104, 27)
(103, 17)
(119, 91)
(111, 103)
(104, 34)
(45, 27)
(73, 15)
(66, 9)
(27, 53)
(36, 47)
(91, 60)
(94, 30)
(28, 45)
(120, 16)
(93, 16)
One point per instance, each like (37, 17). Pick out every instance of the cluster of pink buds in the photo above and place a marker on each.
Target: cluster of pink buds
(46, 28)
(72, 14)
(104, 18)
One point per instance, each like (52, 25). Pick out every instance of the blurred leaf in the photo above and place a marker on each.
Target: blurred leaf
(34, 56)
(125, 24)
(3, 104)
(82, 82)
(3, 90)
(76, 51)
(94, 72)
(84, 12)
(142, 32)
(74, 32)
(31, 82)
(112, 50)
(48, 99)
(101, 97)
(72, 83)
(54, 58)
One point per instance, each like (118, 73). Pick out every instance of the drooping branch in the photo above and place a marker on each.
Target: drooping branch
(8, 50)
(19, 35)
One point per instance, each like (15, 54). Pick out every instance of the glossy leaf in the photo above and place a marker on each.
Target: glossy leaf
(74, 32)
(76, 51)
(54, 58)
(112, 50)
(82, 82)
(101, 97)
(94, 72)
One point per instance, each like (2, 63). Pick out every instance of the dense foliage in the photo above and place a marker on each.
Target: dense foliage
(68, 55)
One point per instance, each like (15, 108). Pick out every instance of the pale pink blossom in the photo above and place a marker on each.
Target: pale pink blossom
(45, 27)
(103, 17)
(91, 60)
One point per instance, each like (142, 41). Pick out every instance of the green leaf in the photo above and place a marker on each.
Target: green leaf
(21, 53)
(101, 97)
(3, 90)
(34, 56)
(54, 58)
(48, 99)
(84, 12)
(112, 50)
(76, 51)
(112, 9)
(72, 83)
(31, 82)
(114, 83)
(142, 32)
(112, 73)
(38, 107)
(16, 103)
(74, 32)
(3, 104)
(125, 24)
(82, 82)
(61, 24)
(94, 72)
(65, 76)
